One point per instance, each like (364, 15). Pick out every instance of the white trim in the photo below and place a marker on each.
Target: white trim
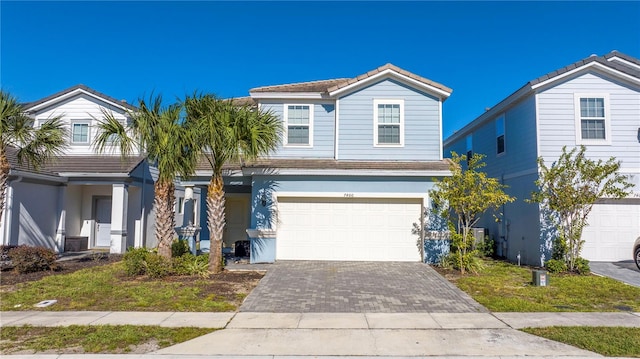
(578, 119)
(348, 195)
(578, 69)
(285, 115)
(72, 94)
(350, 172)
(377, 102)
(537, 120)
(336, 137)
(288, 95)
(93, 174)
(440, 126)
(621, 60)
(391, 73)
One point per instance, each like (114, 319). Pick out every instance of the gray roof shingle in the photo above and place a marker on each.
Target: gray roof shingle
(29, 105)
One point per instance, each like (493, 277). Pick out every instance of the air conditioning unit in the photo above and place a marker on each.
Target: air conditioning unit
(478, 235)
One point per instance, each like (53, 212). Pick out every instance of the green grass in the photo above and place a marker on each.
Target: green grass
(504, 287)
(92, 339)
(106, 288)
(608, 341)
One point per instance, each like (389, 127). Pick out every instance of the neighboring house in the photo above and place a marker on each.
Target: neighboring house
(594, 102)
(351, 175)
(82, 199)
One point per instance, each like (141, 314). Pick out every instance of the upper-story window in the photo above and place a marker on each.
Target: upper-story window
(469, 146)
(500, 135)
(592, 119)
(299, 125)
(80, 132)
(388, 122)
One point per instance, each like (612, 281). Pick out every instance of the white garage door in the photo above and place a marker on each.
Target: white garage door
(352, 229)
(611, 232)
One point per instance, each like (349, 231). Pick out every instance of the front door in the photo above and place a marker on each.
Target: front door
(237, 218)
(103, 221)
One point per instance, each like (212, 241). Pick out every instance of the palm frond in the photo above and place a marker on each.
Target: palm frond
(113, 135)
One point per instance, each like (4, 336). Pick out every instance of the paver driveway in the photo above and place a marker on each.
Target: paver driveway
(356, 287)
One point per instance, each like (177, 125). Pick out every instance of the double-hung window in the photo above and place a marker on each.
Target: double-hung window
(500, 135)
(80, 132)
(469, 146)
(299, 125)
(388, 122)
(592, 119)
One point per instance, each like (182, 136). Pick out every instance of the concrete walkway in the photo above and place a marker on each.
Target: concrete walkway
(295, 335)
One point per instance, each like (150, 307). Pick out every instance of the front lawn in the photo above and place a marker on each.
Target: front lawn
(505, 287)
(609, 341)
(114, 339)
(106, 288)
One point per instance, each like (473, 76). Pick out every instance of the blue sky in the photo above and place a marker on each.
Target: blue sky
(483, 50)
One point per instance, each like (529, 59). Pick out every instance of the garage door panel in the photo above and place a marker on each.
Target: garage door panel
(611, 232)
(347, 229)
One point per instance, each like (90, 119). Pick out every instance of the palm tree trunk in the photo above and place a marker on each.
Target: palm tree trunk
(216, 221)
(4, 176)
(165, 221)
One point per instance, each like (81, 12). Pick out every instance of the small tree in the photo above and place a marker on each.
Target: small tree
(568, 189)
(463, 198)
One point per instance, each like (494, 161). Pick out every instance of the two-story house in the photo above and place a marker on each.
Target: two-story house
(82, 199)
(351, 176)
(594, 102)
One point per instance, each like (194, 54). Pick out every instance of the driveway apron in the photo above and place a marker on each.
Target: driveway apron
(356, 287)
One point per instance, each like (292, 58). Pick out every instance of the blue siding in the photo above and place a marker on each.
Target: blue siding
(323, 130)
(421, 129)
(557, 120)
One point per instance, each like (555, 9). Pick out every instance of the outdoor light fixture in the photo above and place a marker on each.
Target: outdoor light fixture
(263, 200)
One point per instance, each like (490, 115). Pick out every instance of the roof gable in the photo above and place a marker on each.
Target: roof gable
(625, 70)
(337, 87)
(74, 91)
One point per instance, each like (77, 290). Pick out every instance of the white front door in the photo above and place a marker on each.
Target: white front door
(103, 222)
(352, 229)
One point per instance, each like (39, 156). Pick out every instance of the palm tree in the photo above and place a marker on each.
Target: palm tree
(159, 133)
(34, 146)
(228, 133)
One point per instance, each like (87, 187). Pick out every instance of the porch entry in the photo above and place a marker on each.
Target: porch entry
(102, 215)
(237, 218)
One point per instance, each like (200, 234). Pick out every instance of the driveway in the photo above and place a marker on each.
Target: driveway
(623, 271)
(356, 287)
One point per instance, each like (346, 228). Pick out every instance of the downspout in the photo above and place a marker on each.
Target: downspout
(8, 210)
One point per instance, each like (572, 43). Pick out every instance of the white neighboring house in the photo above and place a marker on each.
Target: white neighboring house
(594, 102)
(82, 199)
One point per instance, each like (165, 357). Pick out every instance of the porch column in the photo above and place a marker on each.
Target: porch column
(62, 215)
(119, 205)
(187, 215)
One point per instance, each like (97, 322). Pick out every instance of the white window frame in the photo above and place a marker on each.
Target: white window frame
(180, 205)
(578, 119)
(377, 102)
(80, 122)
(285, 112)
(501, 132)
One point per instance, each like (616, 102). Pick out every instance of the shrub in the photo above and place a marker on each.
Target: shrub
(488, 247)
(189, 264)
(27, 259)
(555, 266)
(582, 266)
(157, 266)
(180, 247)
(470, 261)
(135, 261)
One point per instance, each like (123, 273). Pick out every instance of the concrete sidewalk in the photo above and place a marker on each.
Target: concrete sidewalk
(342, 335)
(254, 320)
